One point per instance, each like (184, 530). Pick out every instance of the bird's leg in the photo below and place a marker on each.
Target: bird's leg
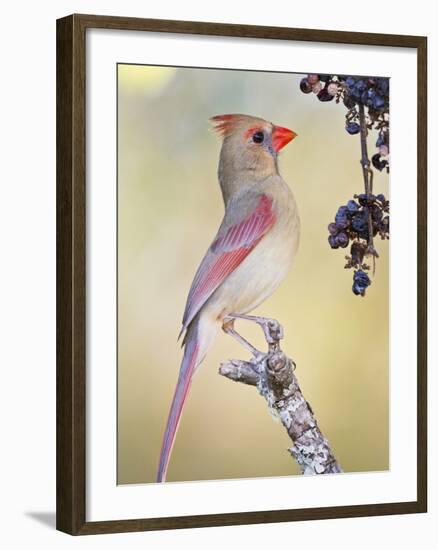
(272, 329)
(228, 328)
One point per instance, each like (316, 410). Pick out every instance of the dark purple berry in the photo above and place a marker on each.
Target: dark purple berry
(323, 95)
(342, 239)
(361, 282)
(352, 207)
(352, 128)
(383, 85)
(358, 89)
(342, 222)
(313, 79)
(333, 242)
(359, 223)
(305, 86)
(341, 218)
(378, 162)
(333, 228)
(378, 102)
(348, 101)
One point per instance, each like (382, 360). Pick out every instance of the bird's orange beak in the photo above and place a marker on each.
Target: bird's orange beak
(281, 137)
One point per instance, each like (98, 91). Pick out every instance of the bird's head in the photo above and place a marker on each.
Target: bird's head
(250, 144)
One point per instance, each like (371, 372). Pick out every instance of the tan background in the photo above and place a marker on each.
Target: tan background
(169, 210)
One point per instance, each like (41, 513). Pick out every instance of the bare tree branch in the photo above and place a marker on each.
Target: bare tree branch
(273, 375)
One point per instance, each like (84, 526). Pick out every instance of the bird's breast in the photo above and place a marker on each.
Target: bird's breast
(265, 267)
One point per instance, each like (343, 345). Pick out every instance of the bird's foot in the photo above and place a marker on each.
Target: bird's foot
(272, 329)
(228, 328)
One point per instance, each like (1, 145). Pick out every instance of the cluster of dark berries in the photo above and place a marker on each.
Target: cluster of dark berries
(354, 222)
(360, 220)
(371, 94)
(322, 85)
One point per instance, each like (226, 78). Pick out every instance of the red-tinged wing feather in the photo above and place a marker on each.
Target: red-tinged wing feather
(227, 252)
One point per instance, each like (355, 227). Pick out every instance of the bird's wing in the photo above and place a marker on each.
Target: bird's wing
(234, 241)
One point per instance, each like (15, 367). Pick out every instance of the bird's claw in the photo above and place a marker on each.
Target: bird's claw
(273, 330)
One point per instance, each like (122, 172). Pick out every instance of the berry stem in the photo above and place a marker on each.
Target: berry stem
(367, 178)
(365, 161)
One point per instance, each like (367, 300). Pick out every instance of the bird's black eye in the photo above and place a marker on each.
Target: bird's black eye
(258, 137)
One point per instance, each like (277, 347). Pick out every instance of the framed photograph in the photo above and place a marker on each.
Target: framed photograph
(247, 204)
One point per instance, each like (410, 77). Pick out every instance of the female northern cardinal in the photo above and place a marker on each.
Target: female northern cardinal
(251, 253)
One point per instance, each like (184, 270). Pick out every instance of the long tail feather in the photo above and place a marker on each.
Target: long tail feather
(189, 363)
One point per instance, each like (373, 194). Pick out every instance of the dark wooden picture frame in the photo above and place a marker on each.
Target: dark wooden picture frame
(71, 274)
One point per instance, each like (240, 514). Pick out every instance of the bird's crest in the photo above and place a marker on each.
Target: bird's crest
(224, 125)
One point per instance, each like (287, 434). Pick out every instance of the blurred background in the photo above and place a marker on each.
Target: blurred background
(169, 209)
